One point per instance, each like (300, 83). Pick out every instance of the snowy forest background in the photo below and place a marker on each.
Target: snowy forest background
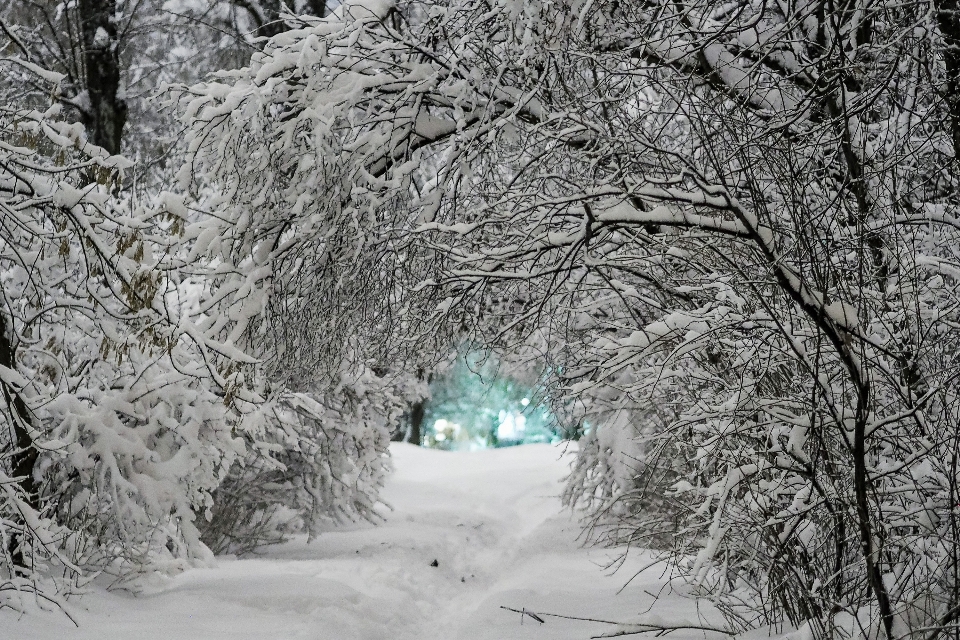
(722, 239)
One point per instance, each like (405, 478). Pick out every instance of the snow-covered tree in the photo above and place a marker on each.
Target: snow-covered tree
(734, 222)
(115, 56)
(312, 288)
(115, 427)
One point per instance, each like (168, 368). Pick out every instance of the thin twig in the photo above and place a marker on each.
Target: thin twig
(635, 627)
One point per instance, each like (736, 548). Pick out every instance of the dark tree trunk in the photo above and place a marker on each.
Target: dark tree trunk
(106, 112)
(271, 24)
(415, 433)
(24, 456)
(948, 19)
(317, 8)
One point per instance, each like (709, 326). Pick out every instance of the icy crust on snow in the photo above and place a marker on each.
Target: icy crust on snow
(491, 519)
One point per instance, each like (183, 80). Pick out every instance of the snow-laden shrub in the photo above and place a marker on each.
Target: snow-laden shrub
(114, 426)
(621, 475)
(141, 467)
(317, 459)
(761, 494)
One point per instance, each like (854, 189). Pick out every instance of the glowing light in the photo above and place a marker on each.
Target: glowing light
(511, 426)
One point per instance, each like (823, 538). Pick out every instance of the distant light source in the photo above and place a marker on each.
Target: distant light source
(525, 401)
(444, 430)
(512, 426)
(439, 427)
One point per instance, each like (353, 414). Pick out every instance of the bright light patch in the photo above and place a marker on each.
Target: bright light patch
(512, 426)
(444, 430)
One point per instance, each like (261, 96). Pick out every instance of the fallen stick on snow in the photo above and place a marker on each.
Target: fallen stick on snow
(626, 629)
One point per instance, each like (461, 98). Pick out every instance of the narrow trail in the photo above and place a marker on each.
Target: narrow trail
(491, 520)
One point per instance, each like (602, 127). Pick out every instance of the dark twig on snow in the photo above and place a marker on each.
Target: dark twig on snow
(629, 629)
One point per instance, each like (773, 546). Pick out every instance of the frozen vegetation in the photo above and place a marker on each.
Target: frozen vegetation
(718, 243)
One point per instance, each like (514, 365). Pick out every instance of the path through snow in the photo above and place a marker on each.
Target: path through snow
(492, 521)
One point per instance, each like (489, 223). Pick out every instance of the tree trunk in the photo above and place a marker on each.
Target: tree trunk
(25, 454)
(317, 8)
(271, 24)
(948, 19)
(415, 432)
(106, 112)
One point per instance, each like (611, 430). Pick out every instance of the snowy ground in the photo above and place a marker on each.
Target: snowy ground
(491, 520)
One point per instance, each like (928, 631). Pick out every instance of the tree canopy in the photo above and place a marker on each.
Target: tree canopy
(726, 230)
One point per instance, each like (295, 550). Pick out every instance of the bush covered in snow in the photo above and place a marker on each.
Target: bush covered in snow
(319, 460)
(623, 471)
(131, 421)
(114, 435)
